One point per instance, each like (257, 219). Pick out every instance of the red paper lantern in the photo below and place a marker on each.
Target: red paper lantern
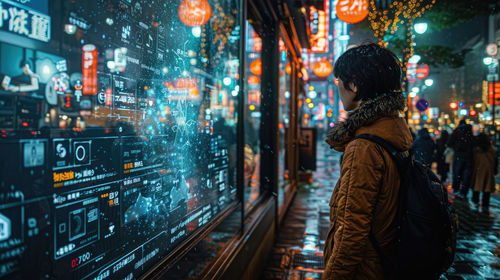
(352, 11)
(322, 68)
(256, 67)
(194, 12)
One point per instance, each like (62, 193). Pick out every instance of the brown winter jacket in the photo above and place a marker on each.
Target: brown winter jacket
(365, 198)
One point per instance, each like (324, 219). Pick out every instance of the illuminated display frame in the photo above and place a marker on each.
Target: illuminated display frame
(78, 145)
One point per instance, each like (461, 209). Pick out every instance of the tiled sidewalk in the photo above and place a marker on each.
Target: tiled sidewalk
(297, 252)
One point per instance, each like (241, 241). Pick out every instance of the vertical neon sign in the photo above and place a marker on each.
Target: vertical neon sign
(89, 69)
(319, 28)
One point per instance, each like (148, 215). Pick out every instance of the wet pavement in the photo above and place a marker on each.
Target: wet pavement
(298, 250)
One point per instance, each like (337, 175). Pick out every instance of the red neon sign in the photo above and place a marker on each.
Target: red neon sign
(495, 91)
(89, 69)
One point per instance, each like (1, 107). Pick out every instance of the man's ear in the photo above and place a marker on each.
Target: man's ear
(353, 87)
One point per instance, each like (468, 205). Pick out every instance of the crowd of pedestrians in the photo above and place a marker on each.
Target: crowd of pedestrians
(473, 161)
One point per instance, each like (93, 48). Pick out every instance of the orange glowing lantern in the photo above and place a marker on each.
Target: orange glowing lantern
(322, 68)
(194, 12)
(253, 80)
(194, 92)
(352, 11)
(256, 67)
(288, 69)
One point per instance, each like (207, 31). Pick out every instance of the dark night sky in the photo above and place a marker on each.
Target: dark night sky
(467, 79)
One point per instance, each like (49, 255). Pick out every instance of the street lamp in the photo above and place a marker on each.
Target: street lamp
(420, 27)
(429, 82)
(196, 31)
(414, 59)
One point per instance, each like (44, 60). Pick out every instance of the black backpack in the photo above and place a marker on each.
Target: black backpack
(426, 222)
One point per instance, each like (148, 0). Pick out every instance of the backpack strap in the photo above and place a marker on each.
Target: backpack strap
(400, 160)
(397, 155)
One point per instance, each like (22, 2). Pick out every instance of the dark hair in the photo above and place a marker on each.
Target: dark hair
(462, 121)
(374, 70)
(483, 142)
(24, 62)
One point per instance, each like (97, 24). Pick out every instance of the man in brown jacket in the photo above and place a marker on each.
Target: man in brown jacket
(365, 199)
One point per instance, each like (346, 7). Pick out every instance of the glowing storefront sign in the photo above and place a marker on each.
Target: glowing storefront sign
(23, 20)
(89, 69)
(319, 29)
(352, 11)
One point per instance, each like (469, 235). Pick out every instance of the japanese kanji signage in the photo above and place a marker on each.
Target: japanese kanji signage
(89, 69)
(352, 11)
(319, 29)
(23, 20)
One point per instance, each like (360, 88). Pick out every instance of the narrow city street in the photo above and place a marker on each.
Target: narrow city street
(298, 251)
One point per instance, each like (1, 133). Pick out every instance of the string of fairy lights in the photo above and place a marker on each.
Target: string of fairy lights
(222, 25)
(400, 11)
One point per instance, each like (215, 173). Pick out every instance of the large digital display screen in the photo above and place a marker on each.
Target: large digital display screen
(117, 133)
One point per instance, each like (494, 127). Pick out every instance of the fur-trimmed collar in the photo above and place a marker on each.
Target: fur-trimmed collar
(368, 112)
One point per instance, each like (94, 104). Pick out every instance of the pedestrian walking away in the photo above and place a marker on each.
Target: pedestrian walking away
(462, 142)
(440, 157)
(485, 169)
(423, 147)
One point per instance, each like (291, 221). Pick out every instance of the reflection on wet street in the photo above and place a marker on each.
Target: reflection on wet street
(298, 249)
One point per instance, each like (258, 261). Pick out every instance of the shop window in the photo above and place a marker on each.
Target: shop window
(283, 124)
(253, 73)
(125, 149)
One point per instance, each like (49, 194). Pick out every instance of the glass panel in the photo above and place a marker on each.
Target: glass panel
(284, 122)
(120, 145)
(253, 74)
(201, 258)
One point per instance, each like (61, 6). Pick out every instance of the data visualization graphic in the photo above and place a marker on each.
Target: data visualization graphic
(110, 157)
